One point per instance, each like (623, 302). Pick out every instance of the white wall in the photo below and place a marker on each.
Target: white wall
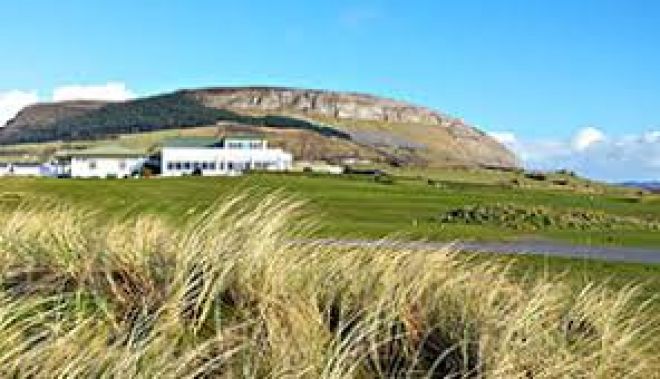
(21, 170)
(222, 161)
(103, 167)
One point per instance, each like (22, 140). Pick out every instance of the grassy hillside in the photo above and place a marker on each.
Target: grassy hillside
(226, 294)
(359, 207)
(169, 111)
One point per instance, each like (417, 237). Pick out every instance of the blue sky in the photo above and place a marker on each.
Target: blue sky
(535, 73)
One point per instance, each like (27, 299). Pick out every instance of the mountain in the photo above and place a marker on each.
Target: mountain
(652, 186)
(315, 124)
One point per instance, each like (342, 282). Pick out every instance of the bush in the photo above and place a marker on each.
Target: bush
(536, 176)
(566, 172)
(538, 218)
(145, 172)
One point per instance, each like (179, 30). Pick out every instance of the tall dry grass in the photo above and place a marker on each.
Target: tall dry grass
(232, 294)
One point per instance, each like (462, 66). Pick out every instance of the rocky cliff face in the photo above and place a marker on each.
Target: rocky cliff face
(432, 137)
(337, 105)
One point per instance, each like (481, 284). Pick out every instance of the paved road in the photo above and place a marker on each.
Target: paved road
(547, 248)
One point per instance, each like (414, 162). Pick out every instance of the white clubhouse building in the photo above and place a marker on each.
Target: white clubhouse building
(181, 156)
(110, 161)
(230, 155)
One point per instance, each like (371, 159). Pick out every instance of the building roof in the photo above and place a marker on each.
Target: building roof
(14, 160)
(103, 151)
(27, 164)
(191, 142)
(207, 141)
(243, 137)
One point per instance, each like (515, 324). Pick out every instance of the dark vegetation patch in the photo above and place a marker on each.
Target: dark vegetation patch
(533, 218)
(170, 111)
(540, 176)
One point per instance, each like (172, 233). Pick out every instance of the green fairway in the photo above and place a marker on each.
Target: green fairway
(351, 206)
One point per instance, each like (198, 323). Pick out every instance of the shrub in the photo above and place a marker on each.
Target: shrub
(539, 217)
(536, 176)
(566, 172)
(147, 172)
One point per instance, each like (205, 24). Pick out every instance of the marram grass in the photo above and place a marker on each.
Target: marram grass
(233, 294)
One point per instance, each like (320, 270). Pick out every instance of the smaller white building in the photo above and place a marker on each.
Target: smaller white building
(4, 168)
(110, 161)
(228, 156)
(23, 169)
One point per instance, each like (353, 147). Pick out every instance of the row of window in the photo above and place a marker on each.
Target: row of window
(212, 166)
(93, 165)
(245, 145)
(195, 165)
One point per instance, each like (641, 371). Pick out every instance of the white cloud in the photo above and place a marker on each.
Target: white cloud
(587, 137)
(11, 102)
(592, 153)
(651, 137)
(505, 138)
(112, 91)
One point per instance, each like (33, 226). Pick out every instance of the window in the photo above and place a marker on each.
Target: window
(170, 165)
(177, 166)
(122, 165)
(230, 166)
(186, 165)
(205, 165)
(235, 145)
(222, 165)
(212, 166)
(92, 165)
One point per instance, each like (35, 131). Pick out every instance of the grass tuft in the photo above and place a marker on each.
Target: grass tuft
(235, 293)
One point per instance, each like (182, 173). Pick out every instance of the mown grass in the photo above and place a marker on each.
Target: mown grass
(357, 207)
(229, 293)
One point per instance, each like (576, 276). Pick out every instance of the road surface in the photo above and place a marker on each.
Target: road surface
(543, 248)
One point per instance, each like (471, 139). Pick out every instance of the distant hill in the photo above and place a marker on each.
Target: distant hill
(653, 186)
(340, 124)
